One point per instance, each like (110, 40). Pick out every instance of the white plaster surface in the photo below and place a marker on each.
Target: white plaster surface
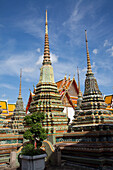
(70, 112)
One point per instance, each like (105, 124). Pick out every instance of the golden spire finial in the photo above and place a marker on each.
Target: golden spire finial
(46, 31)
(89, 70)
(20, 97)
(46, 60)
(80, 93)
(65, 76)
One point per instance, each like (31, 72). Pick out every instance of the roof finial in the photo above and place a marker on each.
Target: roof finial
(65, 76)
(34, 88)
(20, 97)
(46, 60)
(80, 93)
(89, 70)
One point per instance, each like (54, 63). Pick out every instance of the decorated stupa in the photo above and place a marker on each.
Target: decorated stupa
(92, 128)
(47, 98)
(92, 114)
(11, 137)
(17, 123)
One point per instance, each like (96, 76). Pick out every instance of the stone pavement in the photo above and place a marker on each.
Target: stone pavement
(63, 167)
(47, 168)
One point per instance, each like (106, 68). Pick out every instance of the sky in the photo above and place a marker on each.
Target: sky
(22, 32)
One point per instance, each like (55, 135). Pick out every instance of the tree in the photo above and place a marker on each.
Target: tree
(35, 133)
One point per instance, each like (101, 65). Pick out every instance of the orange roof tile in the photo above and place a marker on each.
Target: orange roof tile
(11, 107)
(69, 84)
(3, 104)
(108, 99)
(59, 83)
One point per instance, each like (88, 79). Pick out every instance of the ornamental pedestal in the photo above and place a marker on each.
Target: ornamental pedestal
(36, 162)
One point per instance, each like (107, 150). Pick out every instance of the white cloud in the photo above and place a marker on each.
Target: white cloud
(54, 59)
(13, 64)
(3, 95)
(73, 23)
(27, 79)
(38, 50)
(28, 70)
(103, 79)
(77, 21)
(106, 43)
(32, 25)
(27, 61)
(77, 14)
(92, 66)
(110, 50)
(84, 70)
(95, 51)
(40, 60)
(8, 86)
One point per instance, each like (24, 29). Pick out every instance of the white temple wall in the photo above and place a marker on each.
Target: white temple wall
(70, 111)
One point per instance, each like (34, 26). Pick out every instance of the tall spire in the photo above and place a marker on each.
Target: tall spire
(20, 97)
(80, 93)
(89, 70)
(46, 29)
(46, 60)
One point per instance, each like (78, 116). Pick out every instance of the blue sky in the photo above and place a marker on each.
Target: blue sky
(22, 27)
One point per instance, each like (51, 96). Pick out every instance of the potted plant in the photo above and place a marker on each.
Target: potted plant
(32, 156)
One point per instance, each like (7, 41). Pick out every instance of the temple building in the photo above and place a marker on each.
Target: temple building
(47, 98)
(69, 94)
(17, 123)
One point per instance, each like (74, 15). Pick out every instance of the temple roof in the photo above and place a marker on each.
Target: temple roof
(59, 83)
(30, 100)
(109, 101)
(7, 109)
(11, 108)
(64, 87)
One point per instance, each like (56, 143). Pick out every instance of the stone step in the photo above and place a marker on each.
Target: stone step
(78, 166)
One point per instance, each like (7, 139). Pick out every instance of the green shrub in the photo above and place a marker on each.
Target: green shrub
(35, 134)
(29, 150)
